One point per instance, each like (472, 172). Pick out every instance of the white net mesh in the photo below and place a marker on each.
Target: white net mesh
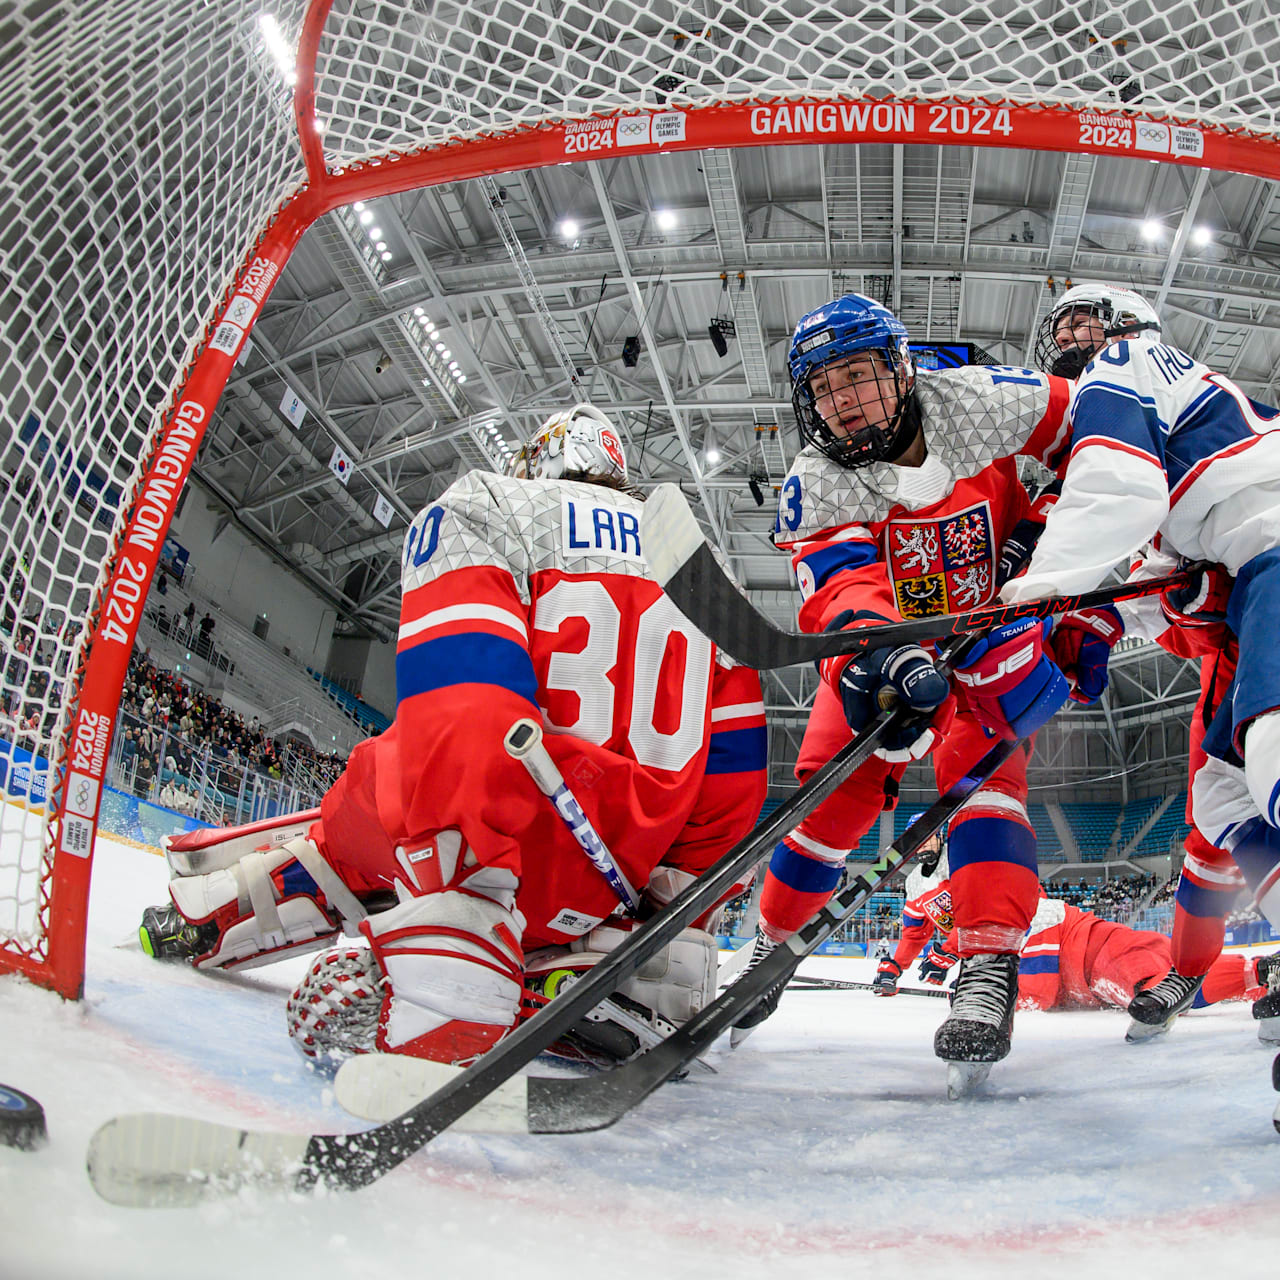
(457, 70)
(148, 143)
(125, 214)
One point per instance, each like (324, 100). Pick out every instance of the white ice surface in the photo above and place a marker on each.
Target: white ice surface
(823, 1147)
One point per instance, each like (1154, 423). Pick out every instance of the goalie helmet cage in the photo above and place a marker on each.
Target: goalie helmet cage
(162, 159)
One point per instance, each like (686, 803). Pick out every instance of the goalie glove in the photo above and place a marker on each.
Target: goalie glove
(936, 965)
(886, 979)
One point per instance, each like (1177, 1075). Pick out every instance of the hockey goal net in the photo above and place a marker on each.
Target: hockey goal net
(162, 158)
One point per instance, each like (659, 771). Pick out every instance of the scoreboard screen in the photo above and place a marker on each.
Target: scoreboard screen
(942, 355)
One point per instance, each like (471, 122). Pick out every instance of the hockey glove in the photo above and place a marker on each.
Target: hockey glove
(886, 979)
(1081, 644)
(1017, 547)
(901, 674)
(1017, 550)
(1009, 684)
(936, 965)
(1203, 603)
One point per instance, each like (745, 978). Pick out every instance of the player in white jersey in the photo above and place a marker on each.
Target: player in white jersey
(524, 596)
(1164, 450)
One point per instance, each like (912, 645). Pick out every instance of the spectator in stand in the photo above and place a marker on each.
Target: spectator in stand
(144, 776)
(206, 634)
(169, 795)
(128, 752)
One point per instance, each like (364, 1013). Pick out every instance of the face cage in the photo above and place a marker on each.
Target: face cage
(1070, 362)
(863, 447)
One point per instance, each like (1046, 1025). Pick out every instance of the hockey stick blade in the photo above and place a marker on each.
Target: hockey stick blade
(683, 562)
(163, 1160)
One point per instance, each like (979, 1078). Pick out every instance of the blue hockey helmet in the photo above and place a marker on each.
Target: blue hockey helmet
(837, 332)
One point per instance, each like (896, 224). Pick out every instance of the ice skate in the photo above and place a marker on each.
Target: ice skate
(964, 1077)
(979, 1028)
(1154, 1010)
(1267, 1008)
(165, 935)
(761, 948)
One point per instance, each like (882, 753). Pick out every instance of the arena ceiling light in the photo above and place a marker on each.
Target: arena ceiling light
(569, 229)
(1202, 236)
(666, 219)
(710, 449)
(1152, 229)
(278, 47)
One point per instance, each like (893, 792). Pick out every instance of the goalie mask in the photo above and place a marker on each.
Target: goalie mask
(852, 378)
(1084, 320)
(576, 444)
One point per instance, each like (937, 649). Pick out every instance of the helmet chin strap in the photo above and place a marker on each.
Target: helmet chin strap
(1071, 362)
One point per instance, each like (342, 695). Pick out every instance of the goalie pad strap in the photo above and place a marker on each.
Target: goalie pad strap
(336, 893)
(256, 878)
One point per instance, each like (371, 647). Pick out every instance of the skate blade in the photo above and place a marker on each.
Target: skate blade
(1141, 1032)
(738, 1034)
(1269, 1030)
(964, 1077)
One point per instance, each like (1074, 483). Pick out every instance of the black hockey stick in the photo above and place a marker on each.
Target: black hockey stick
(685, 565)
(801, 983)
(546, 1105)
(154, 1159)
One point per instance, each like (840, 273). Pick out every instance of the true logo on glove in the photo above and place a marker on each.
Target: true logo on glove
(1006, 666)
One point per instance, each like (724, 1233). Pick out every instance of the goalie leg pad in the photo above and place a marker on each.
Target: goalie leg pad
(196, 853)
(674, 984)
(667, 990)
(454, 972)
(266, 905)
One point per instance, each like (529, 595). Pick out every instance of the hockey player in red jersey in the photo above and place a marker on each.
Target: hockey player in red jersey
(1070, 959)
(926, 917)
(523, 596)
(902, 505)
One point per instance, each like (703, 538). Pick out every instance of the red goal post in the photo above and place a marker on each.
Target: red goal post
(163, 159)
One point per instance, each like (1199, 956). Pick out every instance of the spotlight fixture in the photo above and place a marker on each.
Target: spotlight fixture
(631, 351)
(757, 493)
(719, 331)
(384, 363)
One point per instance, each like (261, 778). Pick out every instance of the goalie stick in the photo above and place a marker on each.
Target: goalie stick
(546, 1105)
(150, 1159)
(524, 743)
(683, 562)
